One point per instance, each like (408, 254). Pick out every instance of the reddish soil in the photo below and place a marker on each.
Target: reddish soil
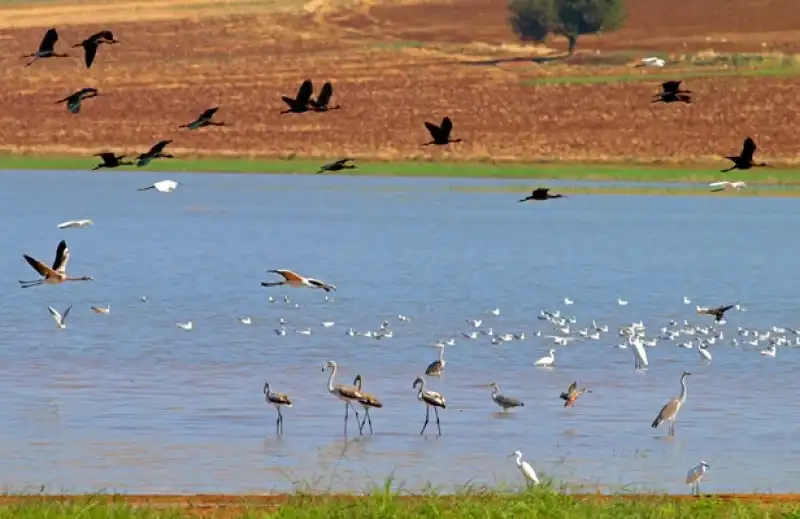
(170, 70)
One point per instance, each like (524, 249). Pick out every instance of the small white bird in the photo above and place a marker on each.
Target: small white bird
(60, 319)
(245, 320)
(184, 326)
(621, 302)
(280, 331)
(704, 354)
(694, 476)
(652, 61)
(164, 186)
(77, 224)
(724, 184)
(307, 331)
(474, 322)
(101, 310)
(770, 352)
(686, 300)
(328, 324)
(548, 361)
(525, 468)
(568, 301)
(496, 311)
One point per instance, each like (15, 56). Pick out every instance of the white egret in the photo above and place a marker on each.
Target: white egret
(703, 352)
(640, 355)
(525, 468)
(548, 361)
(164, 186)
(694, 476)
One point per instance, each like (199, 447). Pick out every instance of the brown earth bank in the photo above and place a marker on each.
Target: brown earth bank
(393, 66)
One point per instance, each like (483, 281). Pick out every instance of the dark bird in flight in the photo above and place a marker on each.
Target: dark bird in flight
(204, 120)
(672, 93)
(745, 159)
(156, 152)
(300, 103)
(46, 48)
(91, 43)
(337, 166)
(322, 103)
(110, 160)
(74, 100)
(541, 193)
(572, 394)
(718, 311)
(440, 134)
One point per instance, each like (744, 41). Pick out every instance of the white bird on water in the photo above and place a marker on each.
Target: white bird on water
(640, 355)
(184, 326)
(164, 186)
(245, 320)
(525, 468)
(568, 301)
(686, 300)
(694, 476)
(76, 224)
(703, 352)
(60, 319)
(770, 352)
(622, 302)
(548, 361)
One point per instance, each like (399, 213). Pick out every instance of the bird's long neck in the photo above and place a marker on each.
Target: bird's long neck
(519, 460)
(441, 354)
(266, 388)
(495, 390)
(421, 387)
(330, 379)
(682, 398)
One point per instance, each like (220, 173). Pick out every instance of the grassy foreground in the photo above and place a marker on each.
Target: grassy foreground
(562, 171)
(473, 505)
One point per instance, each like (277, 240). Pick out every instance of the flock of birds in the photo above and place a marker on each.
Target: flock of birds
(353, 395)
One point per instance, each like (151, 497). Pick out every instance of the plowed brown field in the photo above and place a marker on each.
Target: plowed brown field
(230, 506)
(393, 66)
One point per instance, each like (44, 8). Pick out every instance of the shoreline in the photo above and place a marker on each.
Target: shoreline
(561, 171)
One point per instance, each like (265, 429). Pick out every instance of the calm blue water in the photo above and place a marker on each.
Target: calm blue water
(129, 402)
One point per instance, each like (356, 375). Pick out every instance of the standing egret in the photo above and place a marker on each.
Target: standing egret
(694, 476)
(347, 394)
(436, 367)
(525, 468)
(277, 399)
(640, 355)
(506, 402)
(430, 399)
(367, 400)
(547, 362)
(670, 410)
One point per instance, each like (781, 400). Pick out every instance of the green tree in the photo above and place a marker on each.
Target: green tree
(535, 19)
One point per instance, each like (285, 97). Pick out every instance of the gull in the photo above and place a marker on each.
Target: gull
(350, 332)
(561, 341)
(245, 320)
(76, 224)
(271, 299)
(686, 300)
(621, 302)
(704, 354)
(60, 319)
(307, 331)
(184, 326)
(470, 335)
(474, 322)
(101, 310)
(292, 279)
(403, 318)
(328, 324)
(724, 184)
(548, 361)
(280, 331)
(164, 186)
(496, 311)
(568, 301)
(770, 352)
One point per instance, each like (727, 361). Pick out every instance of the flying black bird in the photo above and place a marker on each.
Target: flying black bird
(337, 166)
(74, 100)
(541, 193)
(91, 43)
(671, 93)
(46, 48)
(110, 160)
(204, 120)
(718, 311)
(440, 134)
(745, 158)
(322, 103)
(156, 152)
(299, 104)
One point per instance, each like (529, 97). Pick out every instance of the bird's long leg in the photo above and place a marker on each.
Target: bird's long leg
(357, 419)
(436, 410)
(280, 419)
(361, 426)
(367, 417)
(427, 416)
(31, 62)
(28, 284)
(671, 428)
(697, 488)
(346, 414)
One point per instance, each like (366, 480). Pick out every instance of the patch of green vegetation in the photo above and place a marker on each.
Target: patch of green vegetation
(637, 77)
(450, 169)
(536, 503)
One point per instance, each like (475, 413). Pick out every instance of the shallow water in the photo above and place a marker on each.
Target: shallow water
(129, 402)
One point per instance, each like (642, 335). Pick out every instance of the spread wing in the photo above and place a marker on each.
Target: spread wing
(671, 87)
(208, 114)
(37, 265)
(304, 93)
(748, 149)
(433, 130)
(62, 257)
(49, 40)
(102, 35)
(541, 191)
(90, 51)
(447, 127)
(288, 275)
(159, 147)
(107, 156)
(325, 94)
(54, 313)
(66, 313)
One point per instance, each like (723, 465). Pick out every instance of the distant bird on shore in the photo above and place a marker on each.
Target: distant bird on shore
(745, 158)
(572, 394)
(77, 224)
(156, 152)
(295, 280)
(652, 61)
(694, 476)
(724, 184)
(337, 166)
(541, 193)
(440, 134)
(74, 100)
(300, 103)
(718, 311)
(55, 274)
(110, 160)
(671, 93)
(46, 48)
(164, 186)
(525, 468)
(204, 119)
(60, 319)
(91, 43)
(322, 103)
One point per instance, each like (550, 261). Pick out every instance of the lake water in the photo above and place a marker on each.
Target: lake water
(129, 402)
